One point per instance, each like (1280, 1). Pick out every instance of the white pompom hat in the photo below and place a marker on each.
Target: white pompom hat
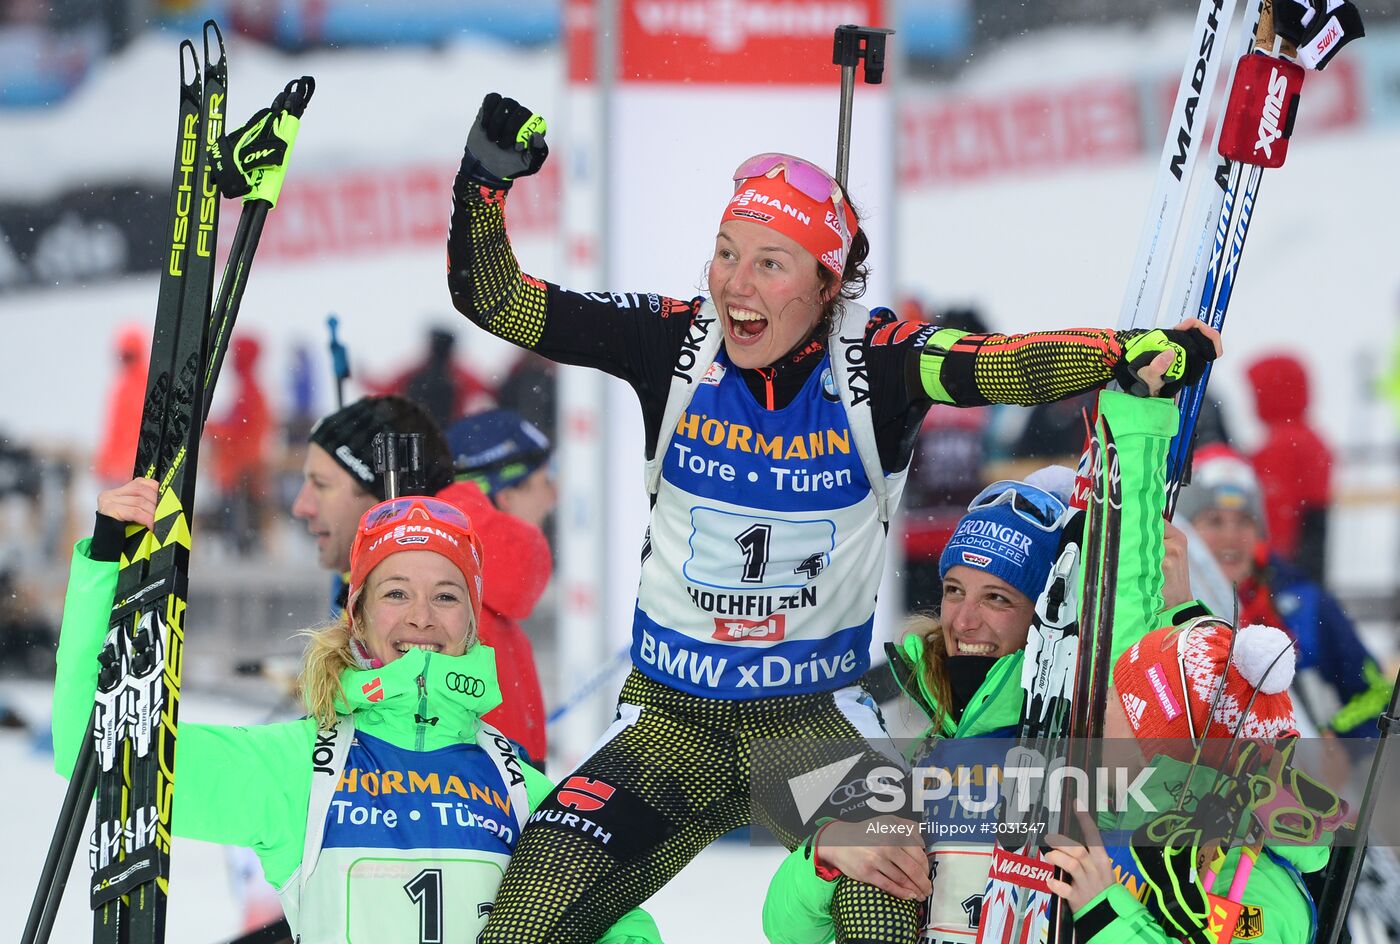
(1257, 674)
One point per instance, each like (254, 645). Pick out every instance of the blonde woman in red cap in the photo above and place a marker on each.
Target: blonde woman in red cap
(1175, 688)
(389, 809)
(780, 420)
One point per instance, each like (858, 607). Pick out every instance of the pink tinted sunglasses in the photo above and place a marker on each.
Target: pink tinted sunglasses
(806, 177)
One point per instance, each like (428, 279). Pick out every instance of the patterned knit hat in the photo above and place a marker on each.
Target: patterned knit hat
(1149, 677)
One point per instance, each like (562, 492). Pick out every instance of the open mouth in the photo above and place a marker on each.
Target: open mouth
(746, 326)
(404, 647)
(966, 648)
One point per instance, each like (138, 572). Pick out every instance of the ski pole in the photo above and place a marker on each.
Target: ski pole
(850, 45)
(340, 361)
(59, 861)
(394, 454)
(1339, 887)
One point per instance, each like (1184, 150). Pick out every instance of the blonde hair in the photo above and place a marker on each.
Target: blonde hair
(933, 668)
(328, 655)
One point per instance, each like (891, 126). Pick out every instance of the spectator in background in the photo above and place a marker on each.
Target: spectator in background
(1338, 685)
(946, 474)
(529, 389)
(441, 386)
(339, 482)
(241, 441)
(116, 455)
(504, 485)
(1294, 465)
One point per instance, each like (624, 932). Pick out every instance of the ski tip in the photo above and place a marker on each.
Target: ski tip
(211, 62)
(189, 65)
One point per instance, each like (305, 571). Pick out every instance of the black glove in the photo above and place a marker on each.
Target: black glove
(505, 142)
(1319, 28)
(1193, 351)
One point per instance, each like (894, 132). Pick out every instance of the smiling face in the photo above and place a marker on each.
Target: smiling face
(331, 502)
(415, 599)
(1231, 536)
(767, 291)
(983, 615)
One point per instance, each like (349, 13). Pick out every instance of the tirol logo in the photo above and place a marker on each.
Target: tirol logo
(585, 794)
(1269, 121)
(976, 560)
(1021, 870)
(735, 630)
(373, 689)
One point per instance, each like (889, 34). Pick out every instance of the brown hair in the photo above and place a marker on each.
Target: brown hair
(933, 668)
(854, 274)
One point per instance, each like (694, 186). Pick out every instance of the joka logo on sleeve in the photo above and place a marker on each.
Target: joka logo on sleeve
(585, 794)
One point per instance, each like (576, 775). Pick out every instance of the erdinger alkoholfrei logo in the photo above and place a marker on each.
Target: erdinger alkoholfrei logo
(585, 794)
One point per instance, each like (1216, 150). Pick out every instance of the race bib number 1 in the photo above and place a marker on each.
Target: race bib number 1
(396, 900)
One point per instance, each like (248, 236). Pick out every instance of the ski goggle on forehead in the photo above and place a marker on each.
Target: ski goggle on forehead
(804, 176)
(1034, 506)
(400, 509)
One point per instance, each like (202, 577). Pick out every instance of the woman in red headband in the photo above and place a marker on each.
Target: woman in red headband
(780, 418)
(392, 767)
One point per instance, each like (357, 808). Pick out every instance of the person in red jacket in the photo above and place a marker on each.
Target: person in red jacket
(116, 456)
(504, 484)
(242, 440)
(1294, 465)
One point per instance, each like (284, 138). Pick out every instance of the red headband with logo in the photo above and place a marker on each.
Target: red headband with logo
(417, 524)
(799, 200)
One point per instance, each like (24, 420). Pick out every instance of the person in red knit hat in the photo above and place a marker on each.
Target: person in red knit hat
(503, 482)
(1185, 684)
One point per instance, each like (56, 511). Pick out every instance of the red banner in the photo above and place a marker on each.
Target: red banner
(744, 42)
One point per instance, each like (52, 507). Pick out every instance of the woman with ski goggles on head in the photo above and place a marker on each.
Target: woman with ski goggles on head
(392, 804)
(962, 668)
(780, 419)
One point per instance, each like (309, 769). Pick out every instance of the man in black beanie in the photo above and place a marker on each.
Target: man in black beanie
(339, 483)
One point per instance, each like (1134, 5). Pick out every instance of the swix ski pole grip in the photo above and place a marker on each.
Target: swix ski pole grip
(1262, 108)
(1263, 101)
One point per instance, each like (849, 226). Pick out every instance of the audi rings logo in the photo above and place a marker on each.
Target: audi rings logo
(466, 684)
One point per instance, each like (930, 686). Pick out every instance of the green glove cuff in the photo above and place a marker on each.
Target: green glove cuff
(266, 182)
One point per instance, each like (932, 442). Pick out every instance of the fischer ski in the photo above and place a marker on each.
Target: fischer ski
(130, 755)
